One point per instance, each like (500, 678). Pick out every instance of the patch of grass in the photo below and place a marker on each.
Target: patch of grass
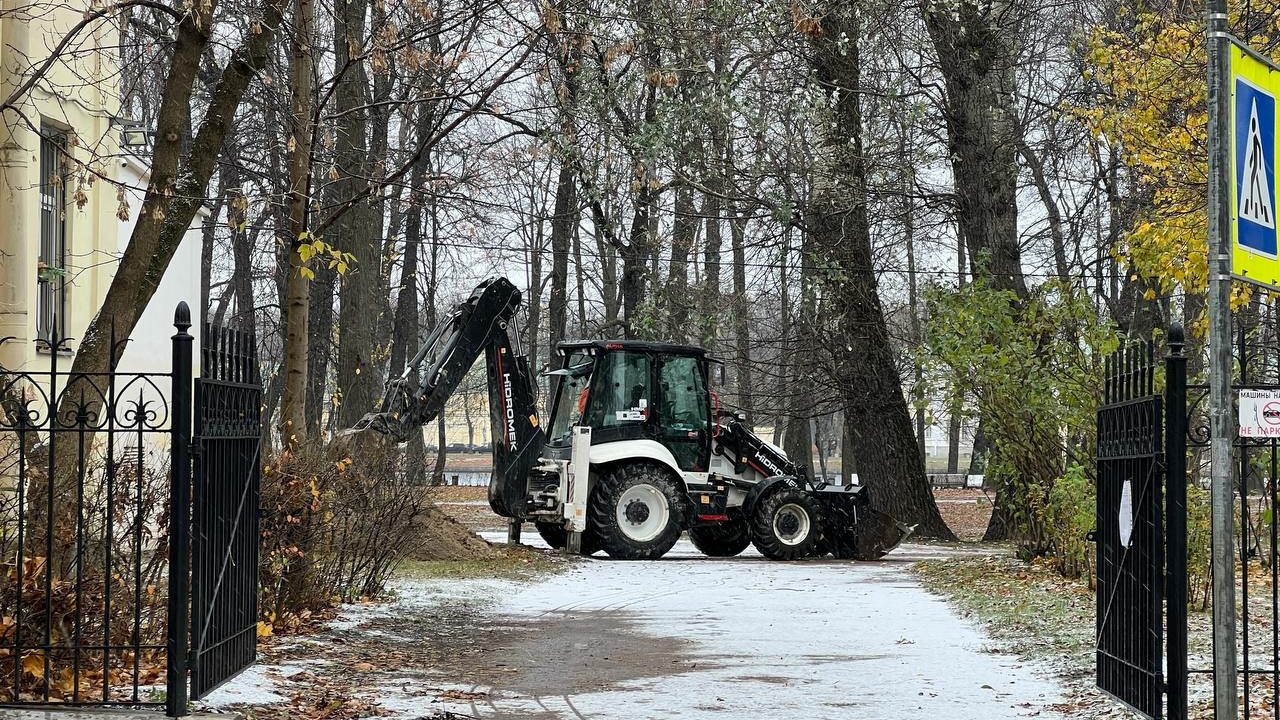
(1027, 608)
(507, 564)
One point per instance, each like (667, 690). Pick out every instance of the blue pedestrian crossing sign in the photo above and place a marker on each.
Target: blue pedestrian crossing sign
(1254, 86)
(1255, 168)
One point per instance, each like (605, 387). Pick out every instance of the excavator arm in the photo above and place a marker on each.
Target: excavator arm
(484, 323)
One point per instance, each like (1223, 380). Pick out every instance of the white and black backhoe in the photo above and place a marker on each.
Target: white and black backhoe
(637, 449)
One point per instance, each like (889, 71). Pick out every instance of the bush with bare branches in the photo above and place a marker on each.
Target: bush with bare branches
(334, 529)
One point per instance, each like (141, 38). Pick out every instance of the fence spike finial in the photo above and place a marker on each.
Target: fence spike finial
(1177, 339)
(182, 316)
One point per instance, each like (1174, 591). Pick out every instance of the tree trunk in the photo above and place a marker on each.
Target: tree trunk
(783, 373)
(563, 224)
(208, 238)
(609, 291)
(797, 443)
(437, 470)
(953, 439)
(242, 260)
(319, 344)
(533, 298)
(865, 370)
(293, 427)
(709, 305)
(358, 230)
(179, 179)
(578, 280)
(742, 320)
(675, 296)
(913, 291)
(977, 57)
(819, 442)
(635, 263)
(405, 332)
(848, 460)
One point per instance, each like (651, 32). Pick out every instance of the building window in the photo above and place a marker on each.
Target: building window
(50, 273)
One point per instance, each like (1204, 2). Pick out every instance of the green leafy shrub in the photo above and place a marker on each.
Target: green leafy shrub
(1035, 369)
(1071, 513)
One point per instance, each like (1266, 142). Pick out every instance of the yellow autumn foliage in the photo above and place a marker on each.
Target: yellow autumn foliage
(1150, 107)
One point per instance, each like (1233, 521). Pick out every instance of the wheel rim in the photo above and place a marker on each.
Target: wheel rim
(791, 524)
(642, 512)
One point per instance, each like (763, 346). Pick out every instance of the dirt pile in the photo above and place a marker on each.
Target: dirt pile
(447, 539)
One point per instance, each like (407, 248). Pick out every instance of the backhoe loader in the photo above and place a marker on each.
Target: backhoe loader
(637, 449)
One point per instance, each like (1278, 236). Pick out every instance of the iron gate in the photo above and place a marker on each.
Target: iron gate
(224, 523)
(1130, 532)
(84, 481)
(1141, 454)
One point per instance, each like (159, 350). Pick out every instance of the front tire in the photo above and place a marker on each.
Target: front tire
(635, 512)
(722, 540)
(785, 525)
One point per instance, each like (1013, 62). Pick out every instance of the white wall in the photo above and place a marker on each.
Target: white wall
(150, 347)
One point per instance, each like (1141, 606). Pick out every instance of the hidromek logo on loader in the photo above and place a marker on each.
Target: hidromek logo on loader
(511, 411)
(767, 463)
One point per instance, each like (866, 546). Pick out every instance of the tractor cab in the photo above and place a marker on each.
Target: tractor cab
(627, 390)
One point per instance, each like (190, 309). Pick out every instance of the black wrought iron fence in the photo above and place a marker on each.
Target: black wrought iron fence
(83, 534)
(96, 498)
(1256, 453)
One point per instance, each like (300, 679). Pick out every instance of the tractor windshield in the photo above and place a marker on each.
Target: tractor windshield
(570, 387)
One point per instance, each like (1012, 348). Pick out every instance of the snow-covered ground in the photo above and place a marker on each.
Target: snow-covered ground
(696, 638)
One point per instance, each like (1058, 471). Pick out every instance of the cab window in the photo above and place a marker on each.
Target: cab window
(684, 417)
(620, 392)
(570, 387)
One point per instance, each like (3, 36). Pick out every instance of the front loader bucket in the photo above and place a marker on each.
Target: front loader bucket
(877, 533)
(855, 531)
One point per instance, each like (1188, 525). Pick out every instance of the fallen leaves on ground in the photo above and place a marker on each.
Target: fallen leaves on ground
(461, 695)
(1030, 610)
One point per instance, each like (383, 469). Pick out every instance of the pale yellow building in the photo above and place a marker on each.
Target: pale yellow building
(59, 147)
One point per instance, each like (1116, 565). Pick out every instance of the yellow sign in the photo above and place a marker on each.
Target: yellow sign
(1255, 82)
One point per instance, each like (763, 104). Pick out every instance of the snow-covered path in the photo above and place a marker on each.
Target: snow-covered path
(828, 639)
(697, 638)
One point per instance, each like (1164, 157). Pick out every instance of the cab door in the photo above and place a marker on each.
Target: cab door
(683, 414)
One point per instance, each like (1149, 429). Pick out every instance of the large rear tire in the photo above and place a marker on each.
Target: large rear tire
(636, 511)
(721, 540)
(557, 537)
(785, 525)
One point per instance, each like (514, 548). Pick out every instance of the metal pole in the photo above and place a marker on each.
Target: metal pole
(179, 518)
(1220, 422)
(1176, 541)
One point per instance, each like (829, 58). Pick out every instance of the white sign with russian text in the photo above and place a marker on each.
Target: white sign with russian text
(1259, 413)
